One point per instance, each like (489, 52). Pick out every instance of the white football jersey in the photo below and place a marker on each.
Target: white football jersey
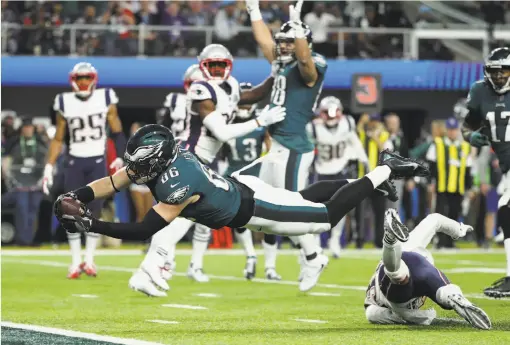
(176, 102)
(226, 96)
(336, 145)
(86, 120)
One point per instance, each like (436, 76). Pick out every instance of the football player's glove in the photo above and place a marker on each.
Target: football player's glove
(269, 116)
(47, 181)
(73, 223)
(295, 12)
(478, 139)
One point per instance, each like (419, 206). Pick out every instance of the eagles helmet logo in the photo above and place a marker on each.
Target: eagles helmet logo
(178, 196)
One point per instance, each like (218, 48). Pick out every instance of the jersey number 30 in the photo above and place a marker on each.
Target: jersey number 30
(493, 117)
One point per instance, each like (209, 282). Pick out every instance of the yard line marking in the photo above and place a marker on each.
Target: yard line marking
(482, 296)
(85, 296)
(182, 274)
(354, 253)
(309, 321)
(207, 295)
(475, 270)
(75, 334)
(325, 294)
(164, 322)
(184, 306)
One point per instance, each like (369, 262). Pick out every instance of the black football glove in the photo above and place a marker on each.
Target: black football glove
(73, 223)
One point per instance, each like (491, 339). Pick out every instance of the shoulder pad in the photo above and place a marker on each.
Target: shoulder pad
(201, 90)
(319, 60)
(352, 123)
(170, 100)
(58, 104)
(111, 97)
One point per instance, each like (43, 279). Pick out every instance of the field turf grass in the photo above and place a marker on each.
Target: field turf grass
(36, 292)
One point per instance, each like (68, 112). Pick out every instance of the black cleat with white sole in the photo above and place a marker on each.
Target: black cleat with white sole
(470, 312)
(388, 190)
(402, 167)
(394, 226)
(499, 289)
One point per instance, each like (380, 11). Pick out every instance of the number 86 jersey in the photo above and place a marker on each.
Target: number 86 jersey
(220, 198)
(86, 120)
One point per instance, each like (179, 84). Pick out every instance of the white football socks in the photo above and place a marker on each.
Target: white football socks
(90, 247)
(380, 174)
(246, 240)
(337, 230)
(200, 243)
(270, 253)
(506, 243)
(75, 247)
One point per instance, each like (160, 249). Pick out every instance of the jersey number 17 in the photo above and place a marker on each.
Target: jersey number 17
(493, 117)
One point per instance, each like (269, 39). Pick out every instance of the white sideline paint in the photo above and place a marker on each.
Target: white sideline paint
(75, 334)
(233, 252)
(324, 294)
(85, 296)
(182, 274)
(164, 322)
(184, 306)
(309, 321)
(207, 295)
(475, 270)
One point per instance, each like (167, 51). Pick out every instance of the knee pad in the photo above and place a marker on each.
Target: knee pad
(400, 275)
(202, 233)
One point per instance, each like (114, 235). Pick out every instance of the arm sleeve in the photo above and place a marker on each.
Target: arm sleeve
(119, 139)
(151, 223)
(215, 123)
(382, 316)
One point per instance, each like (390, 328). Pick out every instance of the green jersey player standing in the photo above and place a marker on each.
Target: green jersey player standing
(488, 122)
(299, 75)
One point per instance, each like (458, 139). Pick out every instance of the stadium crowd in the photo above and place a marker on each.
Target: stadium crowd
(39, 29)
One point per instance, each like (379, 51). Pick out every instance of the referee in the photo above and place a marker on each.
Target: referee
(450, 167)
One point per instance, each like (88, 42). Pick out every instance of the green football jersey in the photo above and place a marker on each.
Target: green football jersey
(290, 91)
(220, 197)
(243, 150)
(492, 110)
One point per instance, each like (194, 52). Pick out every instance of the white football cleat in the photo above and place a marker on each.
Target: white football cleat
(334, 249)
(197, 274)
(251, 267)
(471, 313)
(499, 238)
(141, 281)
(311, 271)
(155, 274)
(167, 270)
(271, 274)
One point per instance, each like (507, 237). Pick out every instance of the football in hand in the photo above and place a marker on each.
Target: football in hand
(71, 207)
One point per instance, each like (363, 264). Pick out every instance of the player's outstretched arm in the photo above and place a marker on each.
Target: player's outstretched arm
(117, 135)
(107, 186)
(257, 93)
(203, 104)
(261, 31)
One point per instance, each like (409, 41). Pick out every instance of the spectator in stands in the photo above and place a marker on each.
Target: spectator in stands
(198, 17)
(368, 45)
(147, 15)
(87, 40)
(320, 21)
(270, 14)
(173, 40)
(22, 166)
(10, 16)
(121, 40)
(430, 49)
(226, 26)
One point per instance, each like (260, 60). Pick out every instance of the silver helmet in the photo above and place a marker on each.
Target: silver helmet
(216, 62)
(330, 110)
(193, 73)
(83, 79)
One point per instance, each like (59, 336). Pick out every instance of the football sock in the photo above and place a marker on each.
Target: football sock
(308, 244)
(391, 255)
(246, 240)
(506, 243)
(178, 228)
(75, 246)
(337, 230)
(270, 252)
(90, 247)
(200, 243)
(379, 175)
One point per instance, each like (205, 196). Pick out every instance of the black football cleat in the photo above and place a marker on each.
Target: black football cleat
(402, 167)
(499, 289)
(387, 189)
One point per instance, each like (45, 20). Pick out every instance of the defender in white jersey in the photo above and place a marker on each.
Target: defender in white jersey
(337, 144)
(174, 114)
(211, 106)
(86, 111)
(406, 276)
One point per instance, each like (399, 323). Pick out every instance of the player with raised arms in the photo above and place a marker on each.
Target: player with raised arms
(406, 276)
(183, 186)
(85, 112)
(487, 122)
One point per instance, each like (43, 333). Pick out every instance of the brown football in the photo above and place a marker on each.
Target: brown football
(71, 207)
